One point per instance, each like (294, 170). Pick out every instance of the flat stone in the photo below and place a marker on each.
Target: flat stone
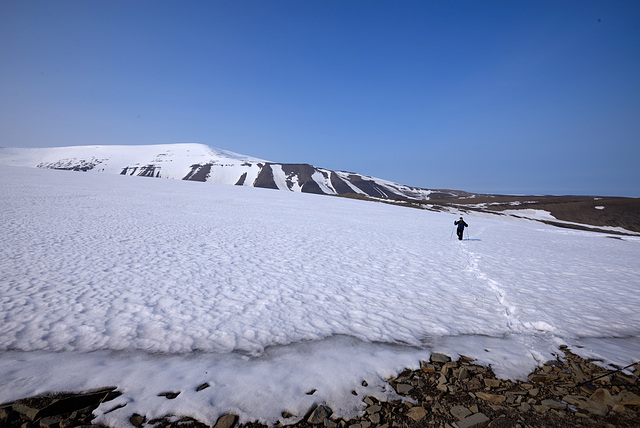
(328, 423)
(501, 421)
(439, 358)
(29, 412)
(606, 379)
(50, 422)
(475, 420)
(169, 394)
(226, 421)
(576, 400)
(136, 420)
(626, 379)
(77, 414)
(627, 398)
(59, 406)
(4, 412)
(498, 408)
(442, 387)
(318, 415)
(553, 404)
(542, 378)
(509, 398)
(374, 409)
(492, 383)
(450, 365)
(68, 423)
(463, 373)
(595, 408)
(492, 398)
(404, 388)
(524, 407)
(460, 412)
(374, 418)
(540, 408)
(603, 396)
(202, 387)
(429, 368)
(474, 384)
(417, 413)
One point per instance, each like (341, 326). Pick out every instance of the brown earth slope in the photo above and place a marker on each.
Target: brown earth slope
(586, 210)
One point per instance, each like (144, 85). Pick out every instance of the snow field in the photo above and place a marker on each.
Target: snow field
(156, 285)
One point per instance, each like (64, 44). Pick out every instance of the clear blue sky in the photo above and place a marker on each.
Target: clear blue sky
(502, 97)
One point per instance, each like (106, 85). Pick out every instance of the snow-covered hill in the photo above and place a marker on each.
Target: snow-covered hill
(198, 162)
(166, 285)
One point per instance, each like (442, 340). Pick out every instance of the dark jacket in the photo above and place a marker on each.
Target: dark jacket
(461, 224)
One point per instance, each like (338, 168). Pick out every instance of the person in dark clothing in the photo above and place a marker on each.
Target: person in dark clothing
(461, 225)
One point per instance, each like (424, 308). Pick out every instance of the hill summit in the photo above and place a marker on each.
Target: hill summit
(199, 162)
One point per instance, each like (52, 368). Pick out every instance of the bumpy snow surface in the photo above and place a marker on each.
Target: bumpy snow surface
(156, 285)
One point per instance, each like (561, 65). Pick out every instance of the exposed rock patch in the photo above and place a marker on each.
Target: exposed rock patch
(55, 410)
(442, 393)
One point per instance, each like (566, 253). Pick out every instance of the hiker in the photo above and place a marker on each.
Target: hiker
(461, 225)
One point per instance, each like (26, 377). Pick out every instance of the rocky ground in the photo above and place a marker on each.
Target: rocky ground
(566, 392)
(591, 212)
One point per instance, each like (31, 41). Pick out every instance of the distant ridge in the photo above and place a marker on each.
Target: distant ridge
(198, 162)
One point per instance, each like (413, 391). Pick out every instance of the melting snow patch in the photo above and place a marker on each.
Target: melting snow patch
(530, 213)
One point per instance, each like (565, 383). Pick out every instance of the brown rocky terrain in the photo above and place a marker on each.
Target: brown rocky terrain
(586, 210)
(566, 392)
(590, 212)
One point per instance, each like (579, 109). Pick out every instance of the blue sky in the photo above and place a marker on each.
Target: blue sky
(495, 97)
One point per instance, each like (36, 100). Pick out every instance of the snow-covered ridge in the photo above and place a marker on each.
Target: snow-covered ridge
(198, 162)
(166, 160)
